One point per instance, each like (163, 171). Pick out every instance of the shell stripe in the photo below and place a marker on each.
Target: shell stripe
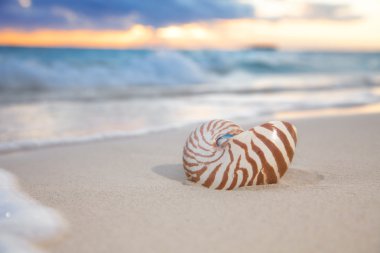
(283, 128)
(215, 127)
(276, 141)
(223, 129)
(187, 164)
(260, 179)
(225, 174)
(267, 157)
(208, 162)
(210, 165)
(282, 165)
(197, 140)
(212, 125)
(291, 131)
(211, 177)
(284, 139)
(250, 160)
(267, 171)
(235, 178)
(203, 135)
(198, 154)
(198, 174)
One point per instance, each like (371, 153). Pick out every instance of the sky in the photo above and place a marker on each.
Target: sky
(347, 25)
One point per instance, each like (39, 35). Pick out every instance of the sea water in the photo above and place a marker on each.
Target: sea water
(23, 221)
(53, 96)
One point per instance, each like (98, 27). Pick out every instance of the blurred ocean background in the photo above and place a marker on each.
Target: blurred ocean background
(56, 95)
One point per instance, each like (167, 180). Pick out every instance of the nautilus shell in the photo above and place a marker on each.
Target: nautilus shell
(220, 155)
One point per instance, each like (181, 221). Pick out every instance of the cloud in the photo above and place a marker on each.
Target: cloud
(278, 10)
(114, 14)
(328, 11)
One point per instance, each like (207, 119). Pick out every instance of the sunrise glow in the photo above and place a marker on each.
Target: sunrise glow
(351, 27)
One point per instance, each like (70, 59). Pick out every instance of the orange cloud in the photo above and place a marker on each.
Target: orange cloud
(228, 34)
(135, 37)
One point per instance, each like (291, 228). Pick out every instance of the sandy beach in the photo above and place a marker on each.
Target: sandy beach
(129, 195)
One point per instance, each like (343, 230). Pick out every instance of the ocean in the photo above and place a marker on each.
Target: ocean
(53, 95)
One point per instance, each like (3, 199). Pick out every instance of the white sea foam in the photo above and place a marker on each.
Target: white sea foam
(33, 125)
(31, 144)
(23, 221)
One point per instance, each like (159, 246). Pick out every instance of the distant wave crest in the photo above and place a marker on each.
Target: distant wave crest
(156, 68)
(40, 69)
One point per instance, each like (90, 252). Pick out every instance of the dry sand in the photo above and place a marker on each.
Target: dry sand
(128, 195)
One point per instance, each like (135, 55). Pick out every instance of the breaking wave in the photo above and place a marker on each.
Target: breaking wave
(47, 69)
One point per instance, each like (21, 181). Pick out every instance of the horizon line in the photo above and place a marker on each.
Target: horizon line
(153, 48)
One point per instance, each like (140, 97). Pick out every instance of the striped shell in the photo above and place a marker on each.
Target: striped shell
(220, 155)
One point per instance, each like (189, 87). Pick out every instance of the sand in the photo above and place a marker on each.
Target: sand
(128, 195)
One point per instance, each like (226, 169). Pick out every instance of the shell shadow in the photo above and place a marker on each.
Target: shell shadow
(170, 171)
(298, 177)
(294, 178)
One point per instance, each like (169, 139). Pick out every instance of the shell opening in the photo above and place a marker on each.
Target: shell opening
(223, 139)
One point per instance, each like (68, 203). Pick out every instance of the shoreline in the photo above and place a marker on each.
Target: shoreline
(21, 146)
(129, 194)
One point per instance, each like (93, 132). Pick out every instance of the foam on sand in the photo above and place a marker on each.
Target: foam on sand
(23, 221)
